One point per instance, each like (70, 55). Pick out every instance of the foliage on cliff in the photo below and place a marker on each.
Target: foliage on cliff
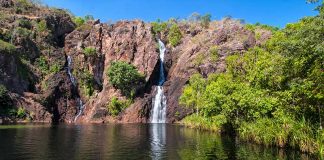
(125, 77)
(271, 94)
(170, 28)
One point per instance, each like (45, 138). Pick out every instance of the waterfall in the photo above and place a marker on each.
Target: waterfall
(158, 113)
(73, 81)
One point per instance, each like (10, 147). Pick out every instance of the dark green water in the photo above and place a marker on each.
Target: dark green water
(127, 141)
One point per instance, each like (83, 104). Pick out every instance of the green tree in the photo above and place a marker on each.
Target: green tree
(88, 18)
(175, 35)
(205, 20)
(192, 93)
(79, 21)
(159, 26)
(116, 106)
(125, 77)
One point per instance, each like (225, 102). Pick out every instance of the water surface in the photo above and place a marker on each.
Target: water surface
(127, 141)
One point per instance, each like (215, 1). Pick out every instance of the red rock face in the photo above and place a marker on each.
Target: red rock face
(52, 97)
(129, 41)
(133, 42)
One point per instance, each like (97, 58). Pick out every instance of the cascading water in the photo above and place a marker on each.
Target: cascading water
(80, 103)
(158, 113)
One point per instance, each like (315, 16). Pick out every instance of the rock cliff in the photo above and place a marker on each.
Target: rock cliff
(35, 71)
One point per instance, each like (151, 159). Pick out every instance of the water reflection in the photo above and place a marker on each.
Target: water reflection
(158, 140)
(129, 141)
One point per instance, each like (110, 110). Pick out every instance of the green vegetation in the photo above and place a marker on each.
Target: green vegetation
(22, 32)
(21, 113)
(79, 21)
(159, 27)
(5, 100)
(42, 26)
(172, 29)
(24, 23)
(272, 94)
(125, 77)
(44, 66)
(213, 52)
(90, 51)
(23, 6)
(6, 104)
(87, 82)
(253, 27)
(5, 34)
(205, 123)
(6, 47)
(175, 35)
(116, 106)
(205, 20)
(55, 68)
(199, 59)
(192, 92)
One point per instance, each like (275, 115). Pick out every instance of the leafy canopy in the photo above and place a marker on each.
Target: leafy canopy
(124, 76)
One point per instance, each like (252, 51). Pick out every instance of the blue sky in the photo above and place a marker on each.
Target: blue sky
(272, 12)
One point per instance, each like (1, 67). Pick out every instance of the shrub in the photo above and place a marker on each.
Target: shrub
(88, 18)
(174, 36)
(23, 5)
(79, 21)
(199, 59)
(87, 82)
(158, 27)
(24, 23)
(6, 47)
(253, 27)
(213, 51)
(202, 20)
(42, 26)
(55, 68)
(280, 132)
(21, 113)
(212, 124)
(116, 106)
(22, 32)
(90, 51)
(320, 142)
(42, 64)
(124, 76)
(5, 100)
(205, 20)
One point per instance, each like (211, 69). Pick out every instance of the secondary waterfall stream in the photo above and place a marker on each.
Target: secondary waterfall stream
(158, 113)
(73, 81)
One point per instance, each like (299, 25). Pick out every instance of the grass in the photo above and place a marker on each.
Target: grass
(212, 124)
(320, 142)
(116, 106)
(90, 51)
(6, 47)
(84, 27)
(199, 59)
(282, 133)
